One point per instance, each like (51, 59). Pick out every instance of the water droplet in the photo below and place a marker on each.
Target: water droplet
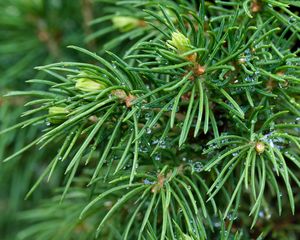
(261, 214)
(231, 216)
(198, 166)
(292, 19)
(170, 107)
(157, 157)
(235, 154)
(249, 79)
(162, 144)
(146, 181)
(147, 116)
(148, 131)
(216, 222)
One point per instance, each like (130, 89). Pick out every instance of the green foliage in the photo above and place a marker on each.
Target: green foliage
(31, 33)
(185, 125)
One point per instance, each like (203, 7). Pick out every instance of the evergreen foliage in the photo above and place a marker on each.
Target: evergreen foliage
(31, 33)
(183, 125)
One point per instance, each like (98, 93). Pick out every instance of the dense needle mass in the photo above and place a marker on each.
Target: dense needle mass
(183, 125)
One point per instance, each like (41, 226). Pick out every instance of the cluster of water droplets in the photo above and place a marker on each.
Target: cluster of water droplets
(148, 182)
(197, 166)
(253, 78)
(161, 60)
(144, 147)
(161, 143)
(232, 215)
(274, 141)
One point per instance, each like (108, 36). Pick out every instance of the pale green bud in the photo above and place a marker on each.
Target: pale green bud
(179, 42)
(125, 24)
(58, 114)
(89, 85)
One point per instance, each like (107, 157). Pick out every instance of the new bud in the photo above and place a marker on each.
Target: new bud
(179, 42)
(57, 114)
(125, 24)
(89, 85)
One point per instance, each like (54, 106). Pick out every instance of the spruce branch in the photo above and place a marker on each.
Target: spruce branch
(196, 118)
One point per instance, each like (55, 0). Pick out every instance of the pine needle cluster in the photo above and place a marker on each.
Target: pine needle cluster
(184, 125)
